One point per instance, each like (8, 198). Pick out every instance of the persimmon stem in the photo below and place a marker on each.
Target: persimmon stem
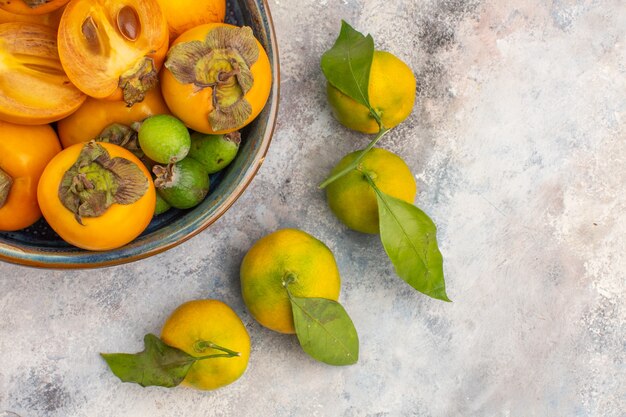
(202, 345)
(6, 181)
(381, 133)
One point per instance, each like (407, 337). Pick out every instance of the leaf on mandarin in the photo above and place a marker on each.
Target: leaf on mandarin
(325, 330)
(158, 365)
(409, 237)
(347, 64)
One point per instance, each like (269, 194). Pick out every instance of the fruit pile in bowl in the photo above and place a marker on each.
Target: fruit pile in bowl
(131, 125)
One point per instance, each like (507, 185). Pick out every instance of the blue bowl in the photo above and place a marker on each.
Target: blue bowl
(40, 246)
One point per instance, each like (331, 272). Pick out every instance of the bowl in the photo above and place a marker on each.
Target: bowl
(40, 246)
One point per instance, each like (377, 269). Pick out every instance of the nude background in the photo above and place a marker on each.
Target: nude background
(517, 142)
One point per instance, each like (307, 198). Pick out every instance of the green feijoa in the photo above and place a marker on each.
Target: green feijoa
(164, 138)
(183, 184)
(215, 152)
(161, 205)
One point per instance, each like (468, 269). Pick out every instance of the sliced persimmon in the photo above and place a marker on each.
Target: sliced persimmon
(34, 89)
(31, 7)
(51, 19)
(113, 46)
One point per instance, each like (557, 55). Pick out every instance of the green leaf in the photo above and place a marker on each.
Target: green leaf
(159, 364)
(409, 237)
(325, 330)
(347, 64)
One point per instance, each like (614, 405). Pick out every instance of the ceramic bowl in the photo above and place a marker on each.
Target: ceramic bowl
(39, 245)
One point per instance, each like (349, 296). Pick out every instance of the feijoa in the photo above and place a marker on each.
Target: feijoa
(164, 138)
(215, 152)
(161, 205)
(183, 184)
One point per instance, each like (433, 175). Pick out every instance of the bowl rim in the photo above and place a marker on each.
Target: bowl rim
(11, 254)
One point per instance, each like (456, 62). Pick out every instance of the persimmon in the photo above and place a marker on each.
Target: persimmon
(113, 48)
(183, 15)
(24, 153)
(34, 89)
(96, 196)
(51, 19)
(31, 7)
(217, 78)
(95, 115)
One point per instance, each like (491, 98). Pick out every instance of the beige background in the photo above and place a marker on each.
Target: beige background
(517, 143)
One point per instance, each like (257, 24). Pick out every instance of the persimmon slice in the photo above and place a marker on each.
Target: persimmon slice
(113, 46)
(49, 19)
(31, 7)
(34, 89)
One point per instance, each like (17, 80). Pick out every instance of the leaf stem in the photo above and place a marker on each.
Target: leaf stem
(381, 133)
(395, 218)
(376, 116)
(202, 345)
(369, 180)
(288, 279)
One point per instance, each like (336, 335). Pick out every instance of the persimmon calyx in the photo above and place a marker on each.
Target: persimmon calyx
(6, 181)
(96, 181)
(121, 135)
(136, 82)
(221, 62)
(33, 4)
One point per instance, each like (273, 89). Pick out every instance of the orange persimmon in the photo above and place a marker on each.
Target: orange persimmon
(34, 89)
(31, 7)
(95, 115)
(24, 153)
(113, 48)
(217, 78)
(183, 15)
(51, 19)
(97, 196)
